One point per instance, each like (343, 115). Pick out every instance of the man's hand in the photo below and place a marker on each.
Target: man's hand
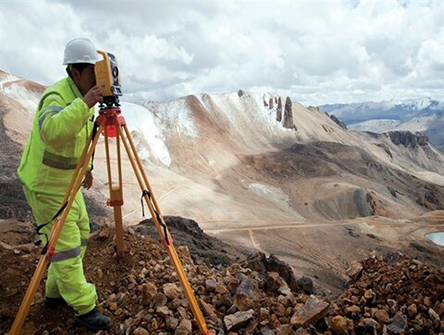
(93, 96)
(88, 181)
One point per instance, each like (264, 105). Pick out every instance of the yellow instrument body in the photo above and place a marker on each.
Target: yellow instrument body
(107, 75)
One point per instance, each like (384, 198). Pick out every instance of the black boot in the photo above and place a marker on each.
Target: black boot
(93, 320)
(54, 302)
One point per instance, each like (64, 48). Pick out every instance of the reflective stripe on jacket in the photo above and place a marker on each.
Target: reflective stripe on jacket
(60, 130)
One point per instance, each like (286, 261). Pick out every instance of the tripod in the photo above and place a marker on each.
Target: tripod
(111, 123)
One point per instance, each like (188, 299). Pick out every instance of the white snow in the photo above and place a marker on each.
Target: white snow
(28, 99)
(139, 118)
(247, 118)
(174, 115)
(418, 104)
(7, 79)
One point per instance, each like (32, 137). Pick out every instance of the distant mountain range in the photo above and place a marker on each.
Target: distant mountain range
(421, 115)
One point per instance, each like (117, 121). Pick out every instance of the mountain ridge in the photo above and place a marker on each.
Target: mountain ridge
(421, 115)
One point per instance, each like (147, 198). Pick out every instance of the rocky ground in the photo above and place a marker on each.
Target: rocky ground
(141, 293)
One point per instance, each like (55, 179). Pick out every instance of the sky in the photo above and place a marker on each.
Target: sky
(316, 52)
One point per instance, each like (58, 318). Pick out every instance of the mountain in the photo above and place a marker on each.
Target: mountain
(18, 98)
(392, 110)
(422, 115)
(260, 171)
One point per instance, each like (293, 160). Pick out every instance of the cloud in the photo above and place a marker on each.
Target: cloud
(317, 52)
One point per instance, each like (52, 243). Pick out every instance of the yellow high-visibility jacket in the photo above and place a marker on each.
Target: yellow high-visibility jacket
(61, 127)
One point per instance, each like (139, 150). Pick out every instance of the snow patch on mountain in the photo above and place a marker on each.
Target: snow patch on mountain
(420, 104)
(11, 87)
(174, 115)
(246, 118)
(6, 78)
(142, 120)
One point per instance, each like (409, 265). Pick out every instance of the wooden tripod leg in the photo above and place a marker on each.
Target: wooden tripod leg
(142, 171)
(115, 192)
(155, 213)
(116, 197)
(75, 183)
(29, 296)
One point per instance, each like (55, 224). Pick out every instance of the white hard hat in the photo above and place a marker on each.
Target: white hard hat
(80, 50)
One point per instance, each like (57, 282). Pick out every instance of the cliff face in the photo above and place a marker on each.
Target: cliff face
(407, 138)
(288, 115)
(279, 110)
(338, 122)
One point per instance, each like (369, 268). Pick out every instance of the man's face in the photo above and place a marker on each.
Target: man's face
(86, 79)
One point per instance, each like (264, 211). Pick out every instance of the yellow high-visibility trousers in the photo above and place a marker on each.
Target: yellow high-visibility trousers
(65, 274)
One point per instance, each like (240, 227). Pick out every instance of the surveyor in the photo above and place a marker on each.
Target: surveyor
(60, 131)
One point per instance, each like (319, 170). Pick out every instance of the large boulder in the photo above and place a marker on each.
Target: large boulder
(261, 263)
(313, 310)
(288, 115)
(238, 320)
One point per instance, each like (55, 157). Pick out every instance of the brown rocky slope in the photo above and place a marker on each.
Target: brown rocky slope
(142, 295)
